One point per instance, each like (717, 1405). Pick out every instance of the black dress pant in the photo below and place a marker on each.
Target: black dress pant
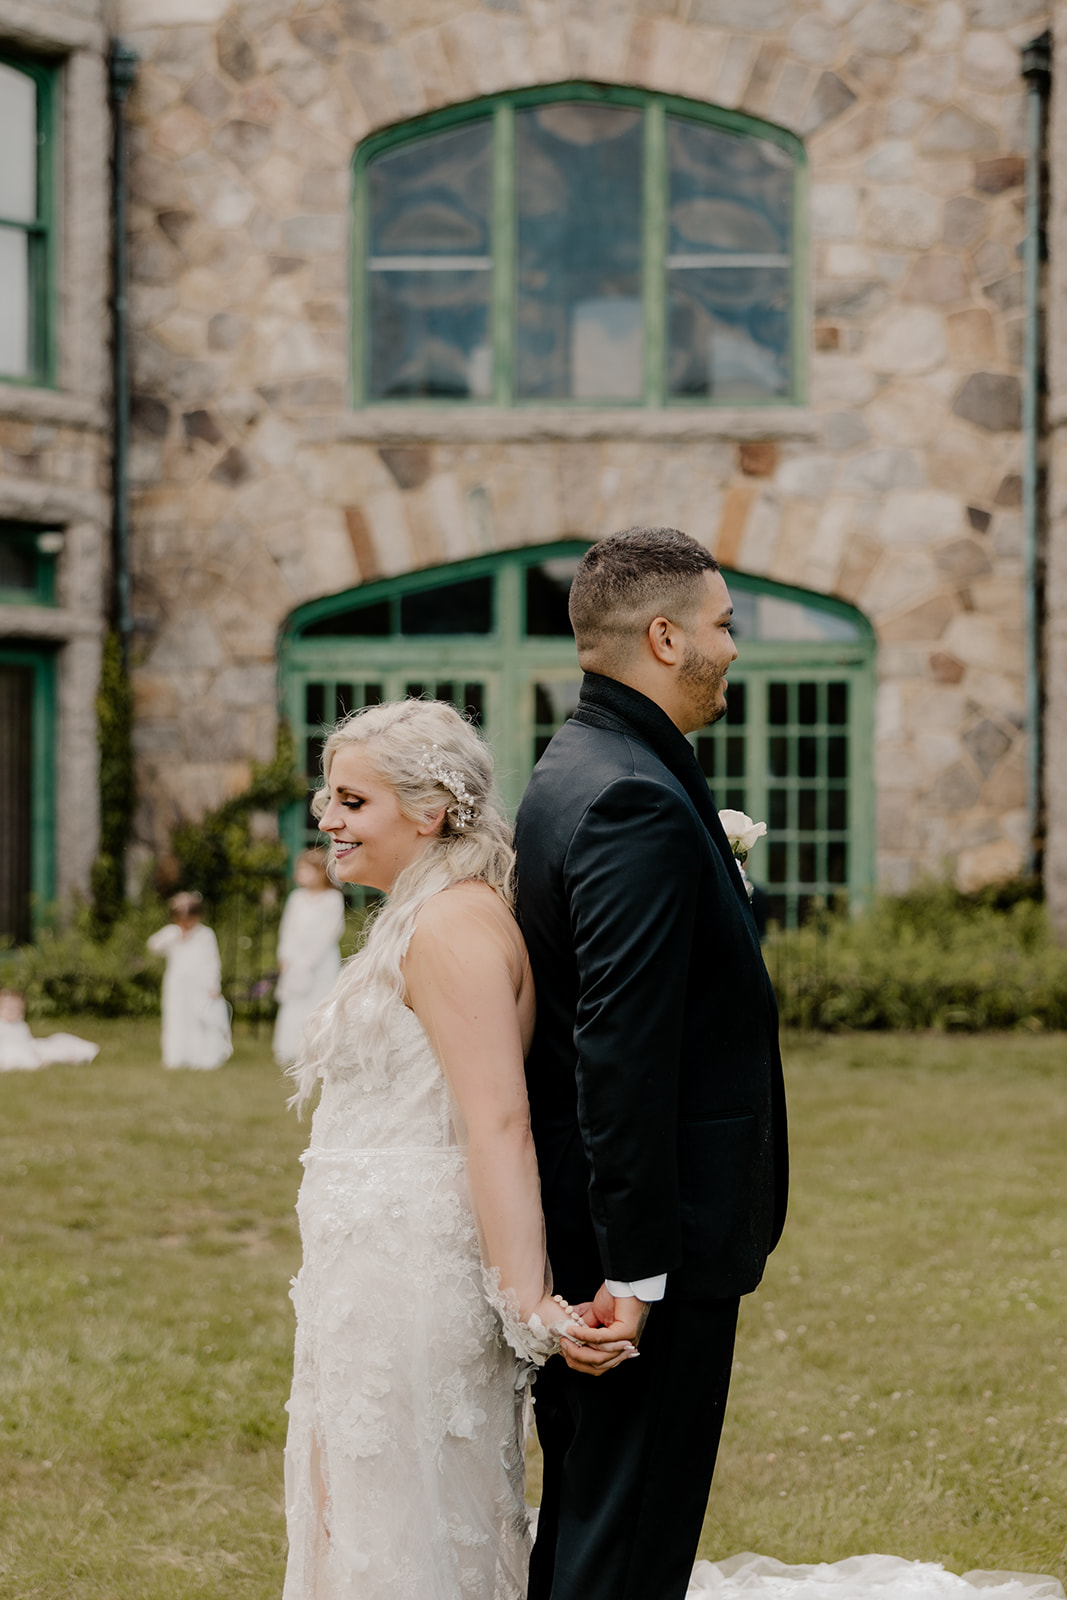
(629, 1459)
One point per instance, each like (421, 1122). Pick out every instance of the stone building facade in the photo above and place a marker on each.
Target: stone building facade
(55, 444)
(889, 480)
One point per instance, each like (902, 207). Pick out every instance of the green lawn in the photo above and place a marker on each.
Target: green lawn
(901, 1374)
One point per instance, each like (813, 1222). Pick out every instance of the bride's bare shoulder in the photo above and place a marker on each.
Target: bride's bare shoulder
(468, 911)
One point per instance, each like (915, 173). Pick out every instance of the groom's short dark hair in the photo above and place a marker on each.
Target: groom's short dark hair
(626, 580)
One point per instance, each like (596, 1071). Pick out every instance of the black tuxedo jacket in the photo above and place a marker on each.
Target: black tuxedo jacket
(655, 1078)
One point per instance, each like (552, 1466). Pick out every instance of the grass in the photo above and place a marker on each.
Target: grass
(900, 1383)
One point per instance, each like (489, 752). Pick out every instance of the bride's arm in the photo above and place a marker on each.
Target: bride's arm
(462, 972)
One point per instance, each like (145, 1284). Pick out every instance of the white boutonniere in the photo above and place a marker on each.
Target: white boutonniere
(741, 833)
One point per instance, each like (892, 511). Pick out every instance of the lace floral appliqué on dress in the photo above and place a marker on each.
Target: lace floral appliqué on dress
(404, 1470)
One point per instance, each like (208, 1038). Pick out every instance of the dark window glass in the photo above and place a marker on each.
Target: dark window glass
(735, 704)
(373, 694)
(315, 703)
(837, 861)
(807, 868)
(735, 757)
(361, 622)
(313, 757)
(837, 809)
(807, 703)
(473, 703)
(444, 691)
(414, 691)
(807, 809)
(837, 757)
(837, 703)
(735, 799)
(777, 861)
(579, 314)
(541, 744)
(728, 271)
(429, 267)
(18, 565)
(778, 757)
(452, 608)
(16, 799)
(778, 807)
(706, 756)
(807, 756)
(343, 700)
(776, 910)
(778, 703)
(547, 588)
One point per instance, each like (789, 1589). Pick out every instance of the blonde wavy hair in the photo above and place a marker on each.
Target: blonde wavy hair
(432, 759)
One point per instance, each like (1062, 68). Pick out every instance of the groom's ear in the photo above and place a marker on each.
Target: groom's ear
(664, 638)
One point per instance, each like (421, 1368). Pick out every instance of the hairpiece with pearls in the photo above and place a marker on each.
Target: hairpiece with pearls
(463, 812)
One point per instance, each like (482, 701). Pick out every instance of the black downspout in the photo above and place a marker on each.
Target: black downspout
(122, 72)
(1037, 71)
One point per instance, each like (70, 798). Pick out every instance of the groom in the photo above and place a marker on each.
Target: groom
(655, 1080)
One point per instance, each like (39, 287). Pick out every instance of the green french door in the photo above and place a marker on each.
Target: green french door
(27, 787)
(492, 636)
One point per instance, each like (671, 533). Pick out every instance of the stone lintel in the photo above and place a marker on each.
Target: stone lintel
(47, 502)
(478, 425)
(27, 23)
(24, 404)
(52, 623)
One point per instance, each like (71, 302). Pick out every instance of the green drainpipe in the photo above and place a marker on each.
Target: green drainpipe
(122, 73)
(1037, 70)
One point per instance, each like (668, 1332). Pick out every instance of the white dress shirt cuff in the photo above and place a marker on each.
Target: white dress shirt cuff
(647, 1289)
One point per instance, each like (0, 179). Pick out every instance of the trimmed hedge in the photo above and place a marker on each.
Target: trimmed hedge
(930, 959)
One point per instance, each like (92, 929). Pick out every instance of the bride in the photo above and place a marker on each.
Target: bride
(423, 1301)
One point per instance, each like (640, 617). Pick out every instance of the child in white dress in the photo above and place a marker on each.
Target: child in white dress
(308, 958)
(20, 1051)
(196, 1019)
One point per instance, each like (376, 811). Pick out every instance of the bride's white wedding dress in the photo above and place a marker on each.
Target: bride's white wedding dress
(404, 1464)
(872, 1577)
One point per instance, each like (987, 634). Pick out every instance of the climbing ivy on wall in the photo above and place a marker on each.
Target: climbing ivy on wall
(114, 733)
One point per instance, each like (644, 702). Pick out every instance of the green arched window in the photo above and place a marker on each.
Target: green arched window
(578, 244)
(492, 636)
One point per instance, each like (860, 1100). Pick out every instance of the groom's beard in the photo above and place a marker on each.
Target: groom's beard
(703, 679)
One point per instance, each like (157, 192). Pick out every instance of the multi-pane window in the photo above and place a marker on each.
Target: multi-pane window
(26, 108)
(578, 244)
(492, 636)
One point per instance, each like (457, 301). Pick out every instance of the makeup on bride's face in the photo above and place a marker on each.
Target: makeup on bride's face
(371, 841)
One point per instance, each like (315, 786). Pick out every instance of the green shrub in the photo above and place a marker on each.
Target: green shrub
(929, 959)
(72, 971)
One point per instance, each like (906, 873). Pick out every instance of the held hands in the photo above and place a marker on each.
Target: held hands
(602, 1333)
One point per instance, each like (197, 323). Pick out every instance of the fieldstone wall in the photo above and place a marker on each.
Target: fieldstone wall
(1055, 741)
(55, 444)
(896, 487)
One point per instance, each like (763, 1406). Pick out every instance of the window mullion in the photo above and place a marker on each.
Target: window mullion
(654, 251)
(360, 283)
(504, 202)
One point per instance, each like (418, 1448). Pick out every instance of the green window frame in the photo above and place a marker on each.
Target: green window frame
(501, 262)
(39, 229)
(31, 679)
(794, 750)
